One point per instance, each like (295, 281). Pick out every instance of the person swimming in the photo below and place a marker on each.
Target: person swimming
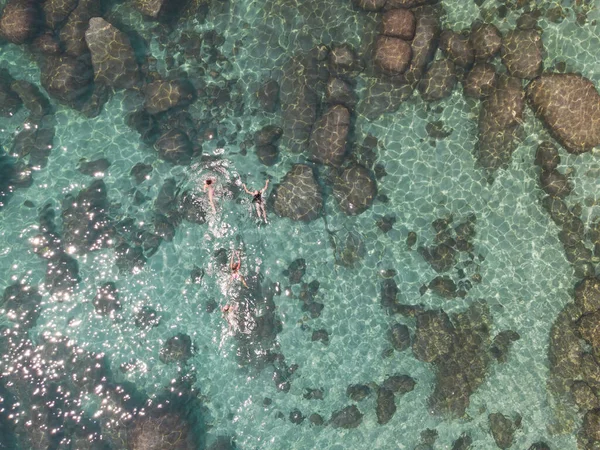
(235, 267)
(209, 185)
(230, 315)
(258, 201)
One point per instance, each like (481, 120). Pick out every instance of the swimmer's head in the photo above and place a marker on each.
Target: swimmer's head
(225, 308)
(208, 182)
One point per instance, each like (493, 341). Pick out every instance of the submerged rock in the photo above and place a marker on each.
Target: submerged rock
(522, 53)
(392, 55)
(354, 189)
(113, 58)
(399, 23)
(268, 95)
(67, 79)
(358, 392)
(348, 417)
(329, 136)
(386, 406)
(93, 168)
(480, 81)
(177, 349)
(106, 302)
(499, 122)
(20, 21)
(486, 40)
(9, 100)
(163, 95)
(569, 105)
(33, 99)
(399, 384)
(399, 336)
(175, 147)
(164, 431)
(503, 430)
(22, 304)
(298, 197)
(57, 11)
(457, 47)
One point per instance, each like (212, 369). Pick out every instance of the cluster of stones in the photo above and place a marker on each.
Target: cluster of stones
(405, 57)
(32, 145)
(461, 349)
(445, 255)
(67, 373)
(323, 139)
(573, 354)
(82, 57)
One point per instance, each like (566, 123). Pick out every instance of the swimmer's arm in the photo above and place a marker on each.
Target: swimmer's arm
(246, 189)
(266, 186)
(231, 260)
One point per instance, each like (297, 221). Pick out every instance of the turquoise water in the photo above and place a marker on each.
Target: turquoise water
(525, 278)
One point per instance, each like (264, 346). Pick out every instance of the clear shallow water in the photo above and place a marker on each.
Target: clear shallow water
(526, 279)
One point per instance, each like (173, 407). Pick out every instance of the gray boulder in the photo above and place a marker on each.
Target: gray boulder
(298, 197)
(329, 136)
(569, 105)
(113, 58)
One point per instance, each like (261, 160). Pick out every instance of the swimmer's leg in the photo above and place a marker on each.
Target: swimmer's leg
(257, 206)
(264, 212)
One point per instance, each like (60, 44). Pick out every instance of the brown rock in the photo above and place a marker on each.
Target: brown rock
(298, 197)
(439, 81)
(370, 5)
(20, 21)
(113, 58)
(569, 105)
(480, 81)
(328, 138)
(587, 294)
(522, 53)
(392, 55)
(458, 48)
(399, 23)
(486, 40)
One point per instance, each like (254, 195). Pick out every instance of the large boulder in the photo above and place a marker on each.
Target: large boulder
(57, 11)
(486, 40)
(354, 189)
(522, 53)
(113, 58)
(439, 81)
(298, 197)
(500, 119)
(457, 47)
(67, 79)
(569, 105)
(20, 21)
(424, 43)
(399, 23)
(72, 33)
(162, 95)
(392, 55)
(433, 336)
(299, 101)
(33, 99)
(329, 135)
(480, 81)
(175, 147)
